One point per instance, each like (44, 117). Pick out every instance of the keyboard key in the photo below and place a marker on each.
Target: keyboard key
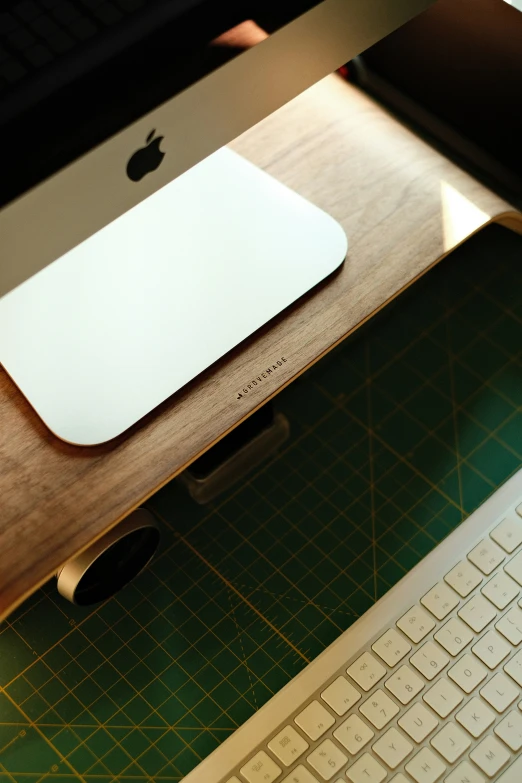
(451, 742)
(404, 684)
(379, 709)
(327, 759)
(288, 746)
(366, 770)
(487, 556)
(418, 722)
(454, 636)
(476, 717)
(429, 660)
(510, 625)
(300, 775)
(440, 600)
(392, 647)
(260, 769)
(468, 672)
(399, 779)
(464, 577)
(314, 720)
(444, 697)
(425, 767)
(340, 696)
(392, 748)
(465, 773)
(366, 671)
(353, 734)
(233, 780)
(416, 624)
(509, 533)
(490, 756)
(510, 730)
(514, 568)
(501, 590)
(514, 668)
(499, 692)
(477, 613)
(491, 649)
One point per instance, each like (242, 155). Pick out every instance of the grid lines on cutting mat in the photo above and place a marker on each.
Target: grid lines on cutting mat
(396, 436)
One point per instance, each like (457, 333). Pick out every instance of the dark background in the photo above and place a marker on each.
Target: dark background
(456, 71)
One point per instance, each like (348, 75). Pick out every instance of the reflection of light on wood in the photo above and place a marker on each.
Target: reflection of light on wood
(460, 216)
(244, 36)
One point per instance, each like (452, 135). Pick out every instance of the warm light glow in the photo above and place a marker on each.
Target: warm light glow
(244, 36)
(460, 216)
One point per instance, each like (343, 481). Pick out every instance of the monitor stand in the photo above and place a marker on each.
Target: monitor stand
(107, 332)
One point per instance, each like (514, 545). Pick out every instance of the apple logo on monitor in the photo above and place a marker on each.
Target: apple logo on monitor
(146, 159)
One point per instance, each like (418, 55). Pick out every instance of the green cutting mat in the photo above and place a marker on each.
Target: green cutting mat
(396, 437)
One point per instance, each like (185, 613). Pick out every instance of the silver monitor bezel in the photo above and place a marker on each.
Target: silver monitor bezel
(59, 213)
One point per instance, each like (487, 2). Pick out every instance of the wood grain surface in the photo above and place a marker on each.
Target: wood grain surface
(403, 206)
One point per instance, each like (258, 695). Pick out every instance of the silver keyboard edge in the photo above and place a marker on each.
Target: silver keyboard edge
(273, 716)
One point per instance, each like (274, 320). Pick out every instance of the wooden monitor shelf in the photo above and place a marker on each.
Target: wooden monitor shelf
(404, 207)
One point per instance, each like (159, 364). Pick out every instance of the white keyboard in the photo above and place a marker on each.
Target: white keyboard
(424, 687)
